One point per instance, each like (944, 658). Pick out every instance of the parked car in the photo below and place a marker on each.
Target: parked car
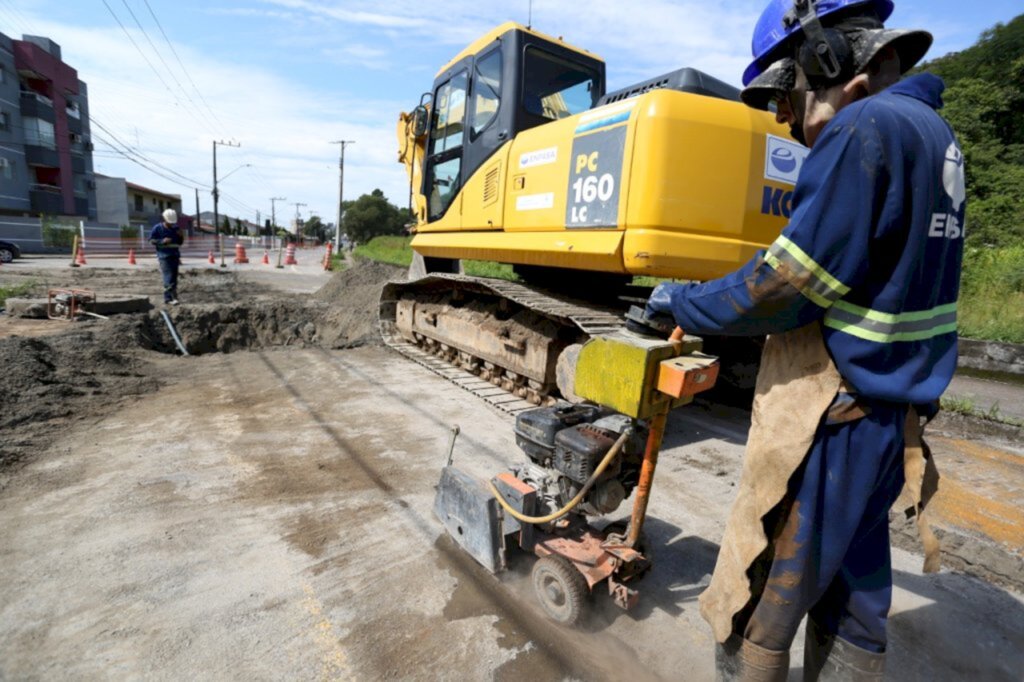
(8, 252)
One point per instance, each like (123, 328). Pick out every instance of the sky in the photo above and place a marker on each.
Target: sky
(285, 78)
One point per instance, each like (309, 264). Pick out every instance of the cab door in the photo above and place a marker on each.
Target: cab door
(443, 178)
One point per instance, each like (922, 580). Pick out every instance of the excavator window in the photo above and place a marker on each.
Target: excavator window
(554, 88)
(486, 92)
(449, 115)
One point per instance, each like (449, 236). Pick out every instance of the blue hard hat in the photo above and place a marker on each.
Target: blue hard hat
(771, 31)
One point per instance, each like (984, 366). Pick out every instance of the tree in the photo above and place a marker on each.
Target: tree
(238, 227)
(372, 215)
(985, 105)
(225, 226)
(315, 228)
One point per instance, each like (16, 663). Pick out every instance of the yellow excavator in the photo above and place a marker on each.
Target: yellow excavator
(518, 155)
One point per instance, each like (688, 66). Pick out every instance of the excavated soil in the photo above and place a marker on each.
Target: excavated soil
(92, 367)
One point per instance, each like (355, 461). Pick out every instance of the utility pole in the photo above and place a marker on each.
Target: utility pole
(297, 204)
(273, 226)
(198, 221)
(216, 216)
(341, 190)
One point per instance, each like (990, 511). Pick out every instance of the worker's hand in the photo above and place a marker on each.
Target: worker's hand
(658, 312)
(660, 301)
(167, 240)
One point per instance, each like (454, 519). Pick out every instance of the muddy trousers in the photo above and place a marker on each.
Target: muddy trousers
(830, 558)
(169, 270)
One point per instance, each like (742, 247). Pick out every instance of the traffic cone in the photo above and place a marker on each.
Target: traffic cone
(289, 255)
(240, 256)
(266, 258)
(131, 257)
(210, 260)
(80, 259)
(327, 257)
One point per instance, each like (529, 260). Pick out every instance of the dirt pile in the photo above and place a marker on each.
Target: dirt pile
(353, 296)
(50, 380)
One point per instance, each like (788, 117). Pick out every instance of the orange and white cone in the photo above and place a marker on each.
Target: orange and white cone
(80, 259)
(131, 257)
(266, 258)
(240, 256)
(289, 255)
(210, 259)
(327, 257)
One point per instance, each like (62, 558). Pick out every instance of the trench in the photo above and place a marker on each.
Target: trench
(249, 326)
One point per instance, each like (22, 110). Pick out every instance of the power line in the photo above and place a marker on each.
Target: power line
(146, 59)
(190, 181)
(163, 61)
(182, 65)
(166, 173)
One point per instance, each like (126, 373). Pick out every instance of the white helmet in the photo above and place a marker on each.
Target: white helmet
(171, 216)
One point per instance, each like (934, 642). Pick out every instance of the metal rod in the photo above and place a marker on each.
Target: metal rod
(654, 438)
(643, 488)
(451, 444)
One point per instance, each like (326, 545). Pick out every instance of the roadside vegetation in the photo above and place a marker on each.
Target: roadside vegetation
(985, 105)
(14, 291)
(967, 407)
(396, 251)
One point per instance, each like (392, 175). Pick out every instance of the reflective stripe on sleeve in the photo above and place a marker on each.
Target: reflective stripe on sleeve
(800, 270)
(872, 325)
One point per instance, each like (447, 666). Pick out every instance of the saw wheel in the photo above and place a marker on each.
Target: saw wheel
(560, 588)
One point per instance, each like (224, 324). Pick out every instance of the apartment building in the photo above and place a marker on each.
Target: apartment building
(45, 140)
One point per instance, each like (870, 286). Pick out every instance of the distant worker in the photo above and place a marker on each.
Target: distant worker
(859, 297)
(167, 239)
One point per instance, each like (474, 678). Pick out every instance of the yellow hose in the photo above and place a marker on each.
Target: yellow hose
(612, 452)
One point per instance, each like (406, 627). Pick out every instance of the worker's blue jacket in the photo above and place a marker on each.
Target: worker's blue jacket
(157, 236)
(873, 250)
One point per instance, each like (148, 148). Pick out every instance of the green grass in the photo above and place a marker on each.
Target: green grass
(393, 250)
(14, 291)
(966, 406)
(396, 251)
(992, 294)
(338, 262)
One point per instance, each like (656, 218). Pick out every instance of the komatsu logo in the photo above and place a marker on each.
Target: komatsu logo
(783, 160)
(777, 202)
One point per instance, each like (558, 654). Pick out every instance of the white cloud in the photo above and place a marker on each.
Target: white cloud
(284, 127)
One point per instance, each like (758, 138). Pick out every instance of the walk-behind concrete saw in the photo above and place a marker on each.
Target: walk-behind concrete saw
(584, 460)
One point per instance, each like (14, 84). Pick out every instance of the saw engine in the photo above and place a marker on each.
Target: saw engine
(565, 444)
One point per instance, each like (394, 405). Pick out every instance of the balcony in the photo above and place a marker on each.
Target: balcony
(37, 106)
(77, 164)
(74, 125)
(42, 156)
(46, 199)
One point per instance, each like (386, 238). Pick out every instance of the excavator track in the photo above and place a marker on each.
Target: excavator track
(482, 334)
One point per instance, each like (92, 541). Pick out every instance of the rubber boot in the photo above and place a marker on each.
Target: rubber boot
(832, 659)
(743, 661)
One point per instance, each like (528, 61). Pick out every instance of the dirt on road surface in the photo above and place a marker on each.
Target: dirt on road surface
(262, 509)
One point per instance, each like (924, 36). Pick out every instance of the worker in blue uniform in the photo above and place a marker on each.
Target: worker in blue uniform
(858, 296)
(167, 238)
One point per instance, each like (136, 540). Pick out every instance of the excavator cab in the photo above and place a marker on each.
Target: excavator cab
(509, 81)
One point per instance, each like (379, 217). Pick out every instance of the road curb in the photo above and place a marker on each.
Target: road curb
(991, 356)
